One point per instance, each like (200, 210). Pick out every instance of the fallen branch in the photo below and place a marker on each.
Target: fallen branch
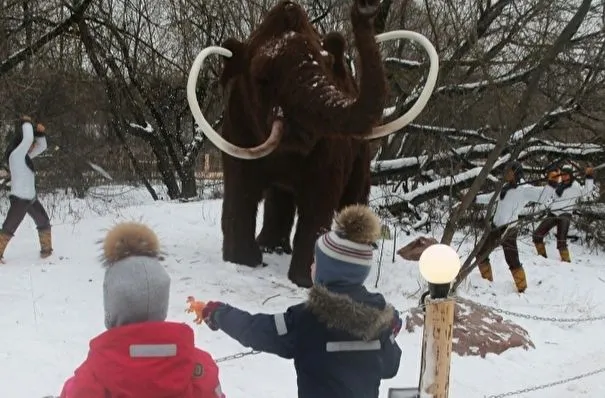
(410, 166)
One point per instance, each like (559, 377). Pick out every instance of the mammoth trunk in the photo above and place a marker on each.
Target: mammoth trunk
(311, 95)
(369, 106)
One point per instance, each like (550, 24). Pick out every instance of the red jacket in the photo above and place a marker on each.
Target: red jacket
(145, 360)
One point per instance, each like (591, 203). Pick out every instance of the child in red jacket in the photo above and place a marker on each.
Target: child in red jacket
(141, 355)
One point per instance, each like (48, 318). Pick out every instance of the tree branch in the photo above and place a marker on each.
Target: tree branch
(25, 53)
(521, 112)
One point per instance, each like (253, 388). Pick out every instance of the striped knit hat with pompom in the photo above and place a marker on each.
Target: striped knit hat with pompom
(344, 255)
(136, 287)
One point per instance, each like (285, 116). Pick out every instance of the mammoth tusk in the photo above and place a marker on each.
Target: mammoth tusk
(427, 91)
(242, 153)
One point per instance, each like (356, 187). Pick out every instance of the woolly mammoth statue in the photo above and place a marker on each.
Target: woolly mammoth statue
(279, 203)
(290, 123)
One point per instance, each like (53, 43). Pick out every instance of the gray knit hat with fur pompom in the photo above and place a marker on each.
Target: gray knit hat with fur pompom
(136, 287)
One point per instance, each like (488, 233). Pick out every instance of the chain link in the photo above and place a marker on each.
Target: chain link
(549, 319)
(542, 318)
(237, 356)
(548, 385)
(501, 311)
(526, 316)
(254, 352)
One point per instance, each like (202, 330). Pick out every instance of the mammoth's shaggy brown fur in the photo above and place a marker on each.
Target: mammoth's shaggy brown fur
(281, 70)
(279, 203)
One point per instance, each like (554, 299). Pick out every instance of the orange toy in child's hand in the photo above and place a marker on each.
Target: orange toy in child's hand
(197, 307)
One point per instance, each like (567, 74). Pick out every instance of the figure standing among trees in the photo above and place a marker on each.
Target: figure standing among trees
(566, 194)
(25, 145)
(515, 194)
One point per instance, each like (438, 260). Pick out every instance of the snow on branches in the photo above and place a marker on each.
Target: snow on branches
(468, 149)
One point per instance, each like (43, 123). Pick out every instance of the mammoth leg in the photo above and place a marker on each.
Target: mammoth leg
(278, 220)
(316, 205)
(240, 204)
(357, 187)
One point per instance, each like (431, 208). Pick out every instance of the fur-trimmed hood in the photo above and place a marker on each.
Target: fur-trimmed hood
(357, 317)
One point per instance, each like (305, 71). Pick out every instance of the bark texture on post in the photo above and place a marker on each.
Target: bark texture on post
(437, 348)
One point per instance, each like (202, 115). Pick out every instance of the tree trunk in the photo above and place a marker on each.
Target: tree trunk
(380, 22)
(27, 22)
(133, 160)
(165, 170)
(522, 110)
(188, 183)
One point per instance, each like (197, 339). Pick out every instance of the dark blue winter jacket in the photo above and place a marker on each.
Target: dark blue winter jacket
(341, 341)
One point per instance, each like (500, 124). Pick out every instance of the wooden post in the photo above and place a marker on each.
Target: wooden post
(436, 348)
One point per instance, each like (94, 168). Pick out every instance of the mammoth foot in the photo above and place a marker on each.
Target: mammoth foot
(300, 279)
(367, 8)
(277, 249)
(250, 257)
(280, 247)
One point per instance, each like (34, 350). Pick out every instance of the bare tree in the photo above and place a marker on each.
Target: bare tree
(24, 23)
(484, 101)
(515, 80)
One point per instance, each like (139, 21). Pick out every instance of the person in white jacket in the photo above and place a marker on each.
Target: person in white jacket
(515, 194)
(26, 145)
(567, 193)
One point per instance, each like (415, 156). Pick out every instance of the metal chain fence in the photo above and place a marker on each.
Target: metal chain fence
(547, 385)
(548, 319)
(237, 356)
(501, 311)
(543, 318)
(254, 352)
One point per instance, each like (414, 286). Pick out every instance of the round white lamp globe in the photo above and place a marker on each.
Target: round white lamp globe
(439, 264)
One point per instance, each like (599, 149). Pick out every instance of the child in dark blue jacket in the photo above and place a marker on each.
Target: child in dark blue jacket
(342, 339)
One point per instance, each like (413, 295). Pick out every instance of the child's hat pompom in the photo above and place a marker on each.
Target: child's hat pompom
(129, 239)
(358, 223)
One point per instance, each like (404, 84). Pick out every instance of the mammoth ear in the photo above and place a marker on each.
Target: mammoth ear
(261, 66)
(234, 65)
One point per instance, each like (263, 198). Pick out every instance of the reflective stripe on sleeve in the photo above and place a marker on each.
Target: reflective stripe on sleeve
(280, 324)
(339, 346)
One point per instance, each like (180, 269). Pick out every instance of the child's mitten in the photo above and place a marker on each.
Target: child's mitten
(210, 312)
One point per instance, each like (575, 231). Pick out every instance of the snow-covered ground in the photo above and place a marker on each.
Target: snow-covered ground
(51, 308)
